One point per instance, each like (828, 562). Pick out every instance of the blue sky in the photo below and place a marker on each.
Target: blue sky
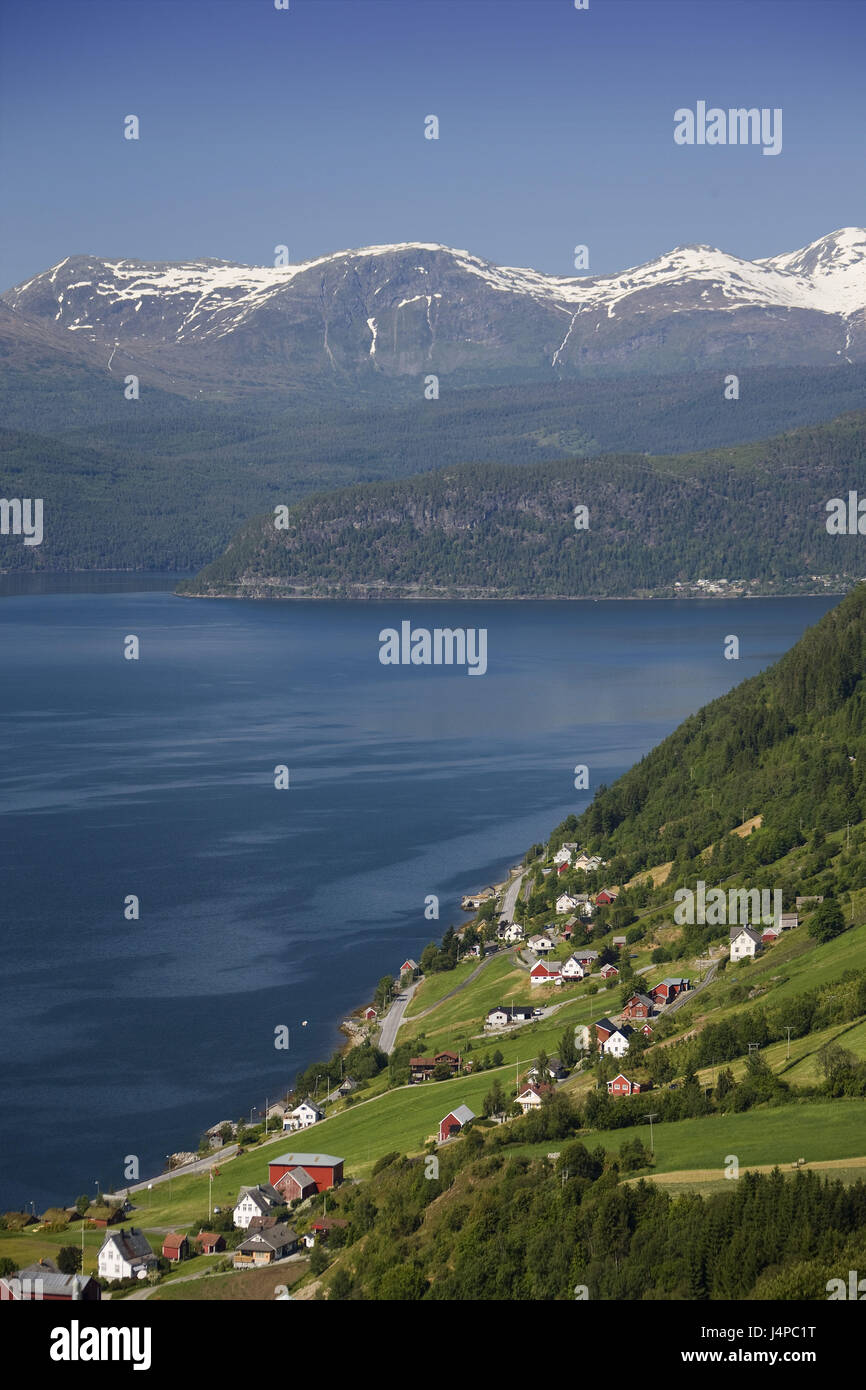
(262, 127)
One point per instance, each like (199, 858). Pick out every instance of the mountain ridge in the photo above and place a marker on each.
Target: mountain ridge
(401, 310)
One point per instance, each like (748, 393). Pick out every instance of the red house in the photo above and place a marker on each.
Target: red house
(667, 990)
(563, 868)
(371, 1014)
(621, 1086)
(409, 966)
(324, 1169)
(454, 1122)
(647, 1030)
(175, 1247)
(607, 895)
(210, 1242)
(603, 1030)
(608, 971)
(638, 1006)
(540, 974)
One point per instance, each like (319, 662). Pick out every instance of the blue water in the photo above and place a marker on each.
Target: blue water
(262, 907)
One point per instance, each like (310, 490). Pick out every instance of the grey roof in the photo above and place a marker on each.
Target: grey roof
(53, 1282)
(462, 1113)
(750, 933)
(275, 1237)
(300, 1176)
(644, 998)
(264, 1196)
(306, 1160)
(132, 1244)
(312, 1104)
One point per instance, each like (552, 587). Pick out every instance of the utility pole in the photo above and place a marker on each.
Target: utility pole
(653, 1115)
(788, 1053)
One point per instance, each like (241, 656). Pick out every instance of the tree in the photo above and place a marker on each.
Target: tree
(442, 1072)
(567, 1049)
(82, 1204)
(498, 1059)
(826, 921)
(318, 1261)
(341, 1285)
(69, 1259)
(494, 1101)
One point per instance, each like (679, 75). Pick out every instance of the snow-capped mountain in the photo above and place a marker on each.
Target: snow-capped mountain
(415, 308)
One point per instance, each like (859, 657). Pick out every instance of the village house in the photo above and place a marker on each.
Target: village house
(541, 974)
(454, 1121)
(619, 943)
(572, 969)
(296, 1185)
(325, 1170)
(606, 896)
(371, 1014)
(422, 1068)
(209, 1242)
(554, 1071)
(304, 1115)
(322, 1228)
(264, 1247)
(638, 1006)
(408, 967)
(667, 990)
(175, 1247)
(745, 941)
(770, 934)
(586, 957)
(541, 944)
(566, 903)
(125, 1255)
(584, 905)
(564, 853)
(621, 1086)
(612, 1040)
(347, 1086)
(255, 1202)
(510, 931)
(646, 1030)
(42, 1282)
(788, 920)
(531, 1097)
(608, 971)
(504, 1015)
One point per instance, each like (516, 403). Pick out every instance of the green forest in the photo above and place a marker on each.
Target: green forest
(754, 513)
(164, 482)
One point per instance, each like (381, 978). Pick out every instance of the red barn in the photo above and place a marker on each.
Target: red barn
(638, 1006)
(324, 1169)
(621, 1086)
(175, 1247)
(607, 895)
(454, 1122)
(210, 1242)
(370, 1014)
(667, 990)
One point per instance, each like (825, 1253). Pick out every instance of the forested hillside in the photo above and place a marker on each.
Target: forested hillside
(754, 514)
(163, 482)
(788, 745)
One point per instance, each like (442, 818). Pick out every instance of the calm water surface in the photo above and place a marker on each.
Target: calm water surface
(262, 907)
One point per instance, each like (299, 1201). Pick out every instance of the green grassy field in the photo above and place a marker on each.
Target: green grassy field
(823, 1130)
(432, 987)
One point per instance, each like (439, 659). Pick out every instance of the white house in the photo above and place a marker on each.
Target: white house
(505, 1014)
(541, 944)
(745, 941)
(125, 1255)
(512, 931)
(566, 903)
(617, 1044)
(573, 969)
(542, 974)
(529, 1098)
(584, 905)
(562, 856)
(303, 1115)
(255, 1201)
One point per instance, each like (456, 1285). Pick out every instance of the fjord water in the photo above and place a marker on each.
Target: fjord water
(262, 907)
